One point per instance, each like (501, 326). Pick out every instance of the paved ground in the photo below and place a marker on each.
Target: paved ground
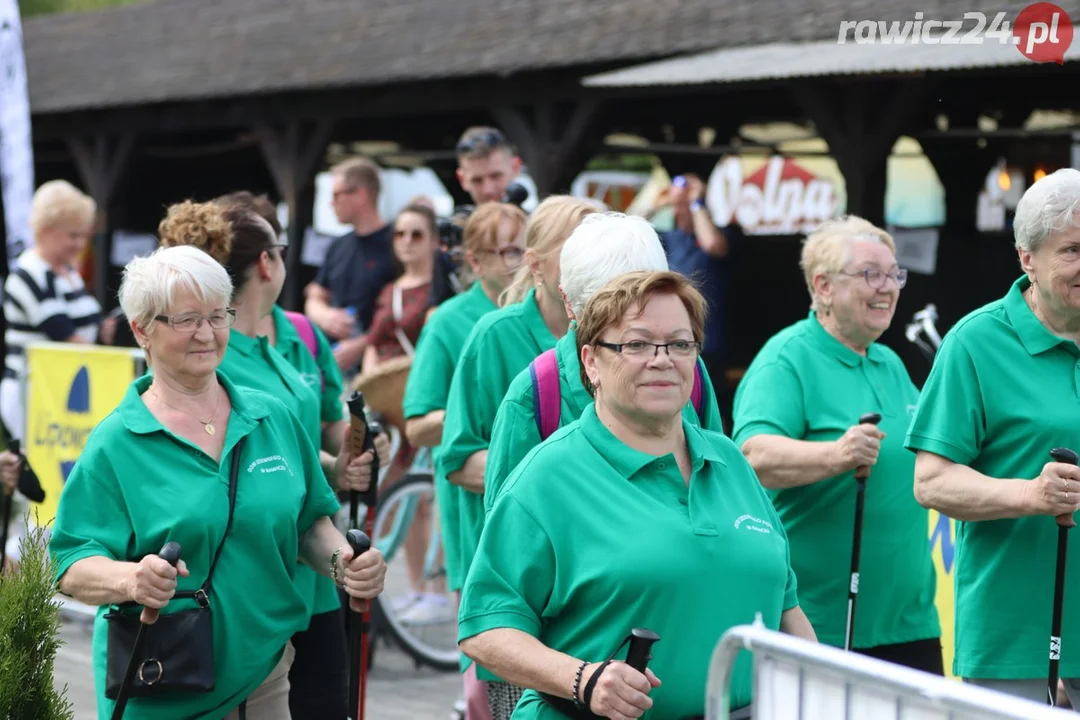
(397, 691)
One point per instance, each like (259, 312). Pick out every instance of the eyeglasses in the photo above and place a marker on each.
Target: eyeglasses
(481, 141)
(876, 278)
(641, 348)
(282, 248)
(190, 322)
(413, 235)
(345, 191)
(512, 256)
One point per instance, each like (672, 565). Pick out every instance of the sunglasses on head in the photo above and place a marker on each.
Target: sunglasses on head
(481, 141)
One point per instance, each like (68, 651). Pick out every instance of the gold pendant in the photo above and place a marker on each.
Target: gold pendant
(209, 427)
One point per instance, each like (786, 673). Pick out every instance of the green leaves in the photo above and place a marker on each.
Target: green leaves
(29, 636)
(42, 7)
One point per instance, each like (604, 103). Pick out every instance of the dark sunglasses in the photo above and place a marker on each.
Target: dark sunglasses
(413, 235)
(282, 250)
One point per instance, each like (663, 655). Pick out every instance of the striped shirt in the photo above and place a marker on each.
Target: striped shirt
(40, 306)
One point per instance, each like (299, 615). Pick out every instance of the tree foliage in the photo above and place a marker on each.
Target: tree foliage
(43, 7)
(29, 636)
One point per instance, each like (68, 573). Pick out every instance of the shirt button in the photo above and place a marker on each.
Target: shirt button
(682, 501)
(661, 466)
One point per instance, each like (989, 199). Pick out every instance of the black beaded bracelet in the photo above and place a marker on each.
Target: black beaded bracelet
(577, 684)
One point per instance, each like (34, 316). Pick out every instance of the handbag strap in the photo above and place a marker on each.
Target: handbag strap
(398, 310)
(202, 595)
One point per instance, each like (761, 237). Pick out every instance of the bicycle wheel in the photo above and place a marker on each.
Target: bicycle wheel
(415, 608)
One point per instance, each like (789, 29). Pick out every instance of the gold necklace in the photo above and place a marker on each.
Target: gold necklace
(208, 425)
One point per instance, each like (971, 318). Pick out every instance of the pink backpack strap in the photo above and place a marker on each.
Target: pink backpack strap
(547, 394)
(304, 330)
(697, 392)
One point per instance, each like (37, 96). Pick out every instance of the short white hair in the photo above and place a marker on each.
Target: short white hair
(1051, 205)
(151, 283)
(602, 247)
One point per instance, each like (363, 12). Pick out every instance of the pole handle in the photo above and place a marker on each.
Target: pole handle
(640, 652)
(1069, 457)
(863, 471)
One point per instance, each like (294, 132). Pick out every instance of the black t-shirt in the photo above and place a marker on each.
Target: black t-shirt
(356, 269)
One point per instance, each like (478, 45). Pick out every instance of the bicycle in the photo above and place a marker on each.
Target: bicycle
(401, 504)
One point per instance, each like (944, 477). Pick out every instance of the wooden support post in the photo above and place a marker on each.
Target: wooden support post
(294, 153)
(552, 143)
(102, 161)
(861, 129)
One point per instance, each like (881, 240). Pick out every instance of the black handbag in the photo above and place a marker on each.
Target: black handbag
(178, 649)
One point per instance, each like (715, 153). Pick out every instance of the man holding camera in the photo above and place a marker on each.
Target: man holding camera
(341, 300)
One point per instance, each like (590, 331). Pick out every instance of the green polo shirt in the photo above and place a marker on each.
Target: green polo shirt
(320, 373)
(591, 538)
(807, 385)
(515, 432)
(1003, 391)
(437, 352)
(252, 362)
(501, 345)
(112, 507)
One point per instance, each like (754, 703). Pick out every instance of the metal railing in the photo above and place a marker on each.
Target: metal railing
(799, 680)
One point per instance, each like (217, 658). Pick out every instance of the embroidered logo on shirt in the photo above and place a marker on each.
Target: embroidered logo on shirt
(311, 380)
(265, 466)
(754, 523)
(911, 410)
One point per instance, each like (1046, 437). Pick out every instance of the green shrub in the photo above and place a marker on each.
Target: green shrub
(29, 636)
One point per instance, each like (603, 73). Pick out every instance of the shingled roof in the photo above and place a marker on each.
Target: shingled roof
(171, 50)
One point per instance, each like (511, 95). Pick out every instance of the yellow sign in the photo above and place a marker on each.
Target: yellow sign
(70, 389)
(943, 551)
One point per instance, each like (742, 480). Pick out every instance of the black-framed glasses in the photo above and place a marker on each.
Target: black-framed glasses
(512, 256)
(487, 140)
(282, 249)
(190, 322)
(641, 348)
(876, 278)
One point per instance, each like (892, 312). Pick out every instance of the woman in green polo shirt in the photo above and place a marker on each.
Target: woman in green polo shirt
(494, 250)
(1003, 391)
(247, 247)
(629, 517)
(501, 345)
(158, 469)
(796, 417)
(602, 247)
(319, 369)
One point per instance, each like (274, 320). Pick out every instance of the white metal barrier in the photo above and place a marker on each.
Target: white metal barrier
(799, 680)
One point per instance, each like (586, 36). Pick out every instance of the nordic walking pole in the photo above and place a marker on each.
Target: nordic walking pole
(640, 652)
(1064, 522)
(358, 638)
(861, 475)
(170, 553)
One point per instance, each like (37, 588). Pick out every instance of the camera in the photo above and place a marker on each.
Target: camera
(452, 229)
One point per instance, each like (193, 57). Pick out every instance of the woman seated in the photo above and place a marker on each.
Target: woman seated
(630, 517)
(189, 456)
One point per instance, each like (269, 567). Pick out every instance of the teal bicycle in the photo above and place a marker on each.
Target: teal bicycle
(415, 610)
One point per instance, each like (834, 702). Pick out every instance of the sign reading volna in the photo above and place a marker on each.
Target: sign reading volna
(780, 198)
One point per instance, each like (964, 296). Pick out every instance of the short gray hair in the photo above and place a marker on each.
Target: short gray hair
(1051, 205)
(602, 247)
(150, 283)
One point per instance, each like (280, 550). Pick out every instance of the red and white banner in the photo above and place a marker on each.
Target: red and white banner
(779, 198)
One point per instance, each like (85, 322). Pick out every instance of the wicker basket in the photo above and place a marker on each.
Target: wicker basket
(384, 388)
